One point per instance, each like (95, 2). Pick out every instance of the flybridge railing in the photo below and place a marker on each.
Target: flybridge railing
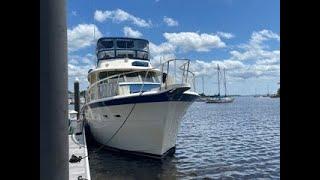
(181, 72)
(114, 85)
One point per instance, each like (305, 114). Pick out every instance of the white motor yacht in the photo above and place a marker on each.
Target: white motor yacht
(132, 106)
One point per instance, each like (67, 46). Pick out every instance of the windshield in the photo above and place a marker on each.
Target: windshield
(125, 44)
(106, 44)
(122, 48)
(131, 77)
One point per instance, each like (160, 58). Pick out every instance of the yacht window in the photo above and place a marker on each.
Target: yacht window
(132, 77)
(116, 78)
(125, 53)
(142, 55)
(142, 45)
(106, 54)
(111, 73)
(147, 78)
(134, 88)
(125, 44)
(107, 44)
(156, 79)
(140, 63)
(92, 78)
(103, 75)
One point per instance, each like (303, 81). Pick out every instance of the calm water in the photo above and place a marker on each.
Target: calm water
(240, 140)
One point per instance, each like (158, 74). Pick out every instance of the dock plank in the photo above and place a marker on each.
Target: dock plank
(78, 147)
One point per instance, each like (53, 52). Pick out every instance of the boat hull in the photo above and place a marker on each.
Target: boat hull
(144, 124)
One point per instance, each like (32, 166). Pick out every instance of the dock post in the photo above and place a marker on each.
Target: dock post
(54, 150)
(76, 97)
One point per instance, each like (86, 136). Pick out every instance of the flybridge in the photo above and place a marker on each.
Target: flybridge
(120, 47)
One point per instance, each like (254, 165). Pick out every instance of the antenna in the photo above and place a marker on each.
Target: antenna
(94, 25)
(94, 35)
(94, 30)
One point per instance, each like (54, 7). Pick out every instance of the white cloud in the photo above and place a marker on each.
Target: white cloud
(162, 51)
(264, 63)
(274, 58)
(257, 71)
(255, 48)
(163, 48)
(258, 37)
(88, 59)
(187, 41)
(156, 60)
(78, 71)
(129, 32)
(78, 67)
(225, 35)
(102, 16)
(268, 62)
(236, 70)
(120, 16)
(73, 61)
(201, 67)
(82, 36)
(170, 21)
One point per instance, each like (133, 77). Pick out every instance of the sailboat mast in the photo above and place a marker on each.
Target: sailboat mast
(218, 80)
(225, 82)
(203, 85)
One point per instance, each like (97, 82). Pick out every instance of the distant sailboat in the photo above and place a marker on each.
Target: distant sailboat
(219, 98)
(202, 96)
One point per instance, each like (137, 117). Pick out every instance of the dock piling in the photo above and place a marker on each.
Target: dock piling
(77, 97)
(53, 91)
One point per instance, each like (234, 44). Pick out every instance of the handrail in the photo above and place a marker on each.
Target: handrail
(116, 75)
(183, 70)
(97, 92)
(97, 83)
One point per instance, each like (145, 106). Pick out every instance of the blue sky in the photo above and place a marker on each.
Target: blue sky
(241, 35)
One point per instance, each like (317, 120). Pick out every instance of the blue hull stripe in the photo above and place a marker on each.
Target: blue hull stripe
(176, 95)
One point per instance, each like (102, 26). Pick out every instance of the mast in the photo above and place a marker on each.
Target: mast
(225, 82)
(218, 80)
(202, 84)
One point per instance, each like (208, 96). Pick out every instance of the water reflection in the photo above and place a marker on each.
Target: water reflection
(114, 165)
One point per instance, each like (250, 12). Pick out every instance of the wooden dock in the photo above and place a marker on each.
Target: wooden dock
(78, 147)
